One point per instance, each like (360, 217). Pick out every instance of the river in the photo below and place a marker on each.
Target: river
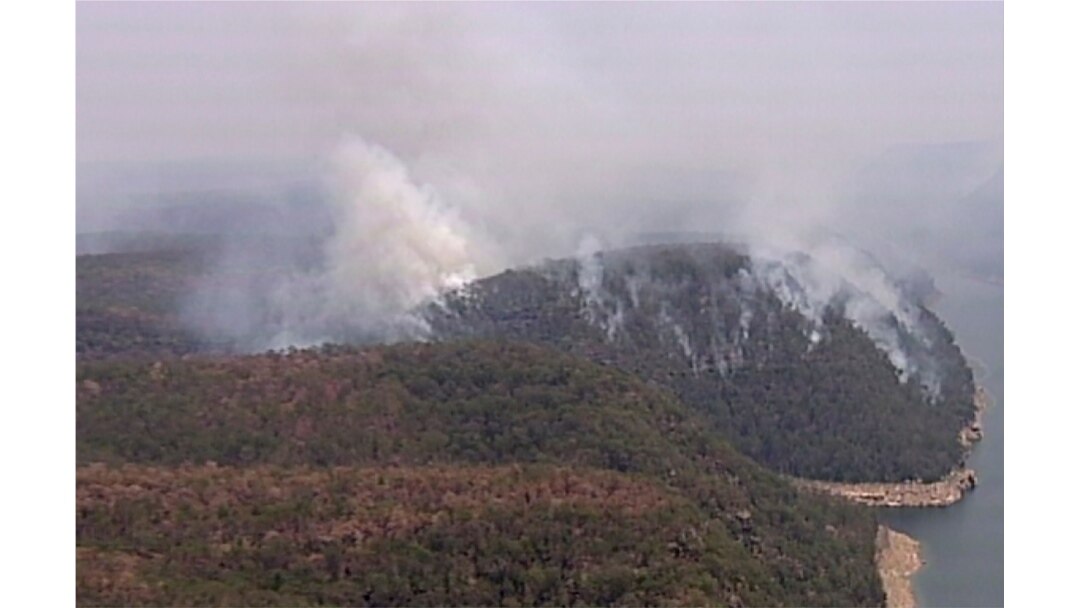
(963, 545)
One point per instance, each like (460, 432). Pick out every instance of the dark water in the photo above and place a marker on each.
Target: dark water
(963, 545)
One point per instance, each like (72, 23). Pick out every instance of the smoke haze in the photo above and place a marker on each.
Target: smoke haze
(418, 146)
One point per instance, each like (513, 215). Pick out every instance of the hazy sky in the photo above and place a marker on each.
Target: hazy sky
(599, 112)
(454, 140)
(175, 81)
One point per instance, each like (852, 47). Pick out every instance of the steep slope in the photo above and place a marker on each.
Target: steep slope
(791, 380)
(623, 495)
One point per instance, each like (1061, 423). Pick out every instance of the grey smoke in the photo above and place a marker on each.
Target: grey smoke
(497, 135)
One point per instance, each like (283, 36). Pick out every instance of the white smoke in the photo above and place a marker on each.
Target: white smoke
(590, 275)
(394, 246)
(681, 337)
(826, 272)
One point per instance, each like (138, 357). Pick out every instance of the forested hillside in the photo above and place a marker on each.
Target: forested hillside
(821, 401)
(476, 473)
(814, 400)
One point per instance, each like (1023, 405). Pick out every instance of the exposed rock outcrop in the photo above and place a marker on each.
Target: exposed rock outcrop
(973, 432)
(898, 559)
(941, 493)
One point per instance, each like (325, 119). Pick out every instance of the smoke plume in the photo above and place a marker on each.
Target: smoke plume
(539, 124)
(394, 246)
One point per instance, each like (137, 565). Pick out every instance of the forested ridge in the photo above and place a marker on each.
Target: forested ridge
(680, 316)
(691, 318)
(460, 473)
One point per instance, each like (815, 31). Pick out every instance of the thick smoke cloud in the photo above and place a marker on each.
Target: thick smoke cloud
(394, 246)
(543, 127)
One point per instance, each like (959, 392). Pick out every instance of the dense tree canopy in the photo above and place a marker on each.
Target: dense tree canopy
(653, 509)
(690, 318)
(603, 464)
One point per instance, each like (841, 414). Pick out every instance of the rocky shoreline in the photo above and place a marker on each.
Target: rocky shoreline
(898, 559)
(941, 493)
(973, 432)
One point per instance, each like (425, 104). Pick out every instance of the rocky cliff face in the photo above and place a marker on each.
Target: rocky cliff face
(814, 375)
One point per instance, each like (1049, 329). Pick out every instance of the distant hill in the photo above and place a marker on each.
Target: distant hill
(119, 241)
(129, 303)
(476, 473)
(136, 301)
